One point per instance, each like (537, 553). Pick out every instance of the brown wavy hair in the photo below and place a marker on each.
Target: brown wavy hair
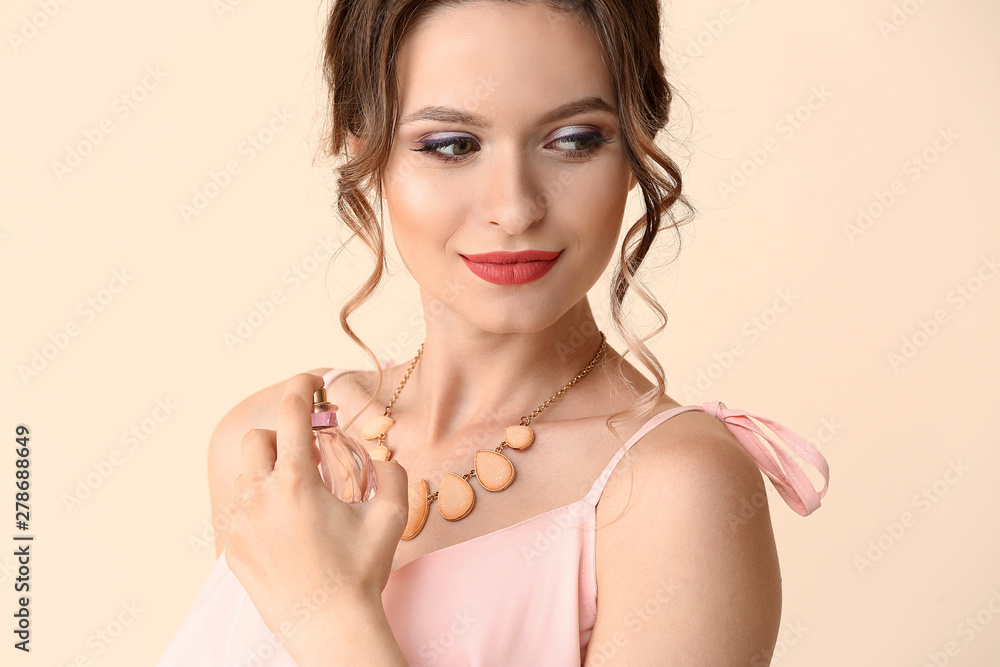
(359, 66)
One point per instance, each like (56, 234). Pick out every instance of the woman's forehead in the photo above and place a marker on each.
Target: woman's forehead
(478, 54)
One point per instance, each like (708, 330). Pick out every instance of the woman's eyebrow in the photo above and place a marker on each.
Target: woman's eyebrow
(443, 114)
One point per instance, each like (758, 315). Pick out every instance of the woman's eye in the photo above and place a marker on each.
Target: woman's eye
(457, 148)
(586, 141)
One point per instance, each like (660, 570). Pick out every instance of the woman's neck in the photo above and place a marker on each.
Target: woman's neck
(467, 377)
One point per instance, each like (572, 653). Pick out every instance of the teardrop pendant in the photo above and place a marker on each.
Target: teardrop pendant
(376, 427)
(380, 453)
(419, 509)
(455, 497)
(518, 436)
(493, 470)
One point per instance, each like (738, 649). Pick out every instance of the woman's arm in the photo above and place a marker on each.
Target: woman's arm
(357, 634)
(699, 583)
(317, 639)
(296, 548)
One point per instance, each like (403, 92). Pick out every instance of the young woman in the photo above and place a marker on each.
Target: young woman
(503, 139)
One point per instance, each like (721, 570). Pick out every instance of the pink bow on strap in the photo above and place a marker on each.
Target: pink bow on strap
(788, 478)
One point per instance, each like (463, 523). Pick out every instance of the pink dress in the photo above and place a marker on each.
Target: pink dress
(537, 606)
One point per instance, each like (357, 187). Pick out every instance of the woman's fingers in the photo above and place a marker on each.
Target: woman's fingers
(295, 448)
(257, 452)
(392, 496)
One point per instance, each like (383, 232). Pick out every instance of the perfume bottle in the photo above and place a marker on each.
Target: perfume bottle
(344, 465)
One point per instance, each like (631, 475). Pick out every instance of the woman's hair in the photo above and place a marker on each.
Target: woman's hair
(359, 65)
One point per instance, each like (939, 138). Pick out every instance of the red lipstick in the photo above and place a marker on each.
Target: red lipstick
(511, 268)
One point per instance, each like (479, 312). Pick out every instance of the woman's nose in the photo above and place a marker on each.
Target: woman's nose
(514, 198)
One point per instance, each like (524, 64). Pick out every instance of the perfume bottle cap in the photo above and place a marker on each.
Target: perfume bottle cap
(324, 413)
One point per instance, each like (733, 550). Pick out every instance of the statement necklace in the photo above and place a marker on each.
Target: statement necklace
(494, 471)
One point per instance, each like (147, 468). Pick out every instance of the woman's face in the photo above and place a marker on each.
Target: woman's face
(507, 141)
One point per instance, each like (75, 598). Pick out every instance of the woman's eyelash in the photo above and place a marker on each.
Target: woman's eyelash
(596, 137)
(432, 146)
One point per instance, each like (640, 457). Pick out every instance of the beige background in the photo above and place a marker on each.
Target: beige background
(822, 367)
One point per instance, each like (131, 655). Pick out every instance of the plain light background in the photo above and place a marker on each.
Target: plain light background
(795, 118)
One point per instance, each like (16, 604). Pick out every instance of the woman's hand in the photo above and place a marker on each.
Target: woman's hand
(305, 557)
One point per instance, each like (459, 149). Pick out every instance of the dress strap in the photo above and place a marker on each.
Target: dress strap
(598, 488)
(785, 474)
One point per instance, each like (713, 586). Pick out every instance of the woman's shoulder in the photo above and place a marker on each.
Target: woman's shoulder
(681, 506)
(692, 428)
(695, 448)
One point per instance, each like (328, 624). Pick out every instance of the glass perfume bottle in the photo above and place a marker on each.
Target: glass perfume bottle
(344, 465)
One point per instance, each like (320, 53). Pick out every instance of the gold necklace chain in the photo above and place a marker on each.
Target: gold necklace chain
(500, 470)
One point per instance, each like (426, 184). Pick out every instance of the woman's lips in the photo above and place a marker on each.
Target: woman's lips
(511, 268)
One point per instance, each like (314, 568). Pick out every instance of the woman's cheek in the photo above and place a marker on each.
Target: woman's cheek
(593, 202)
(424, 214)
(426, 200)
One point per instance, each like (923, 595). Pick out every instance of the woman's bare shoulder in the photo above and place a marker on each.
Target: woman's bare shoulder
(691, 444)
(681, 506)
